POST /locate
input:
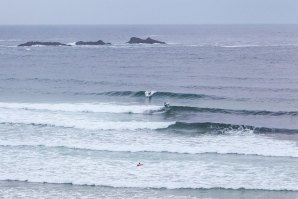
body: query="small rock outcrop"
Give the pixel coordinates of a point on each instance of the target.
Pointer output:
(136, 40)
(99, 42)
(39, 43)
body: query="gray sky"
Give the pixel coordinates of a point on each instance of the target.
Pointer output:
(148, 11)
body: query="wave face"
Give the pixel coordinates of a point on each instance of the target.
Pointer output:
(222, 128)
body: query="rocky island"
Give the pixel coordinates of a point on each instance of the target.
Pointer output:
(39, 43)
(99, 42)
(133, 40)
(136, 40)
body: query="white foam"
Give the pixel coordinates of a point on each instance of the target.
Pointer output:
(71, 43)
(149, 93)
(83, 107)
(77, 120)
(119, 170)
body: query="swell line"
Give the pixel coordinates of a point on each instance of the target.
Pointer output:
(144, 187)
(153, 150)
(183, 127)
(177, 109)
(158, 94)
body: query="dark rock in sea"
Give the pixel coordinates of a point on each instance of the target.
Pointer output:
(36, 43)
(99, 42)
(136, 40)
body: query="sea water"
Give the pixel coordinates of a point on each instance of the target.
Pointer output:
(75, 122)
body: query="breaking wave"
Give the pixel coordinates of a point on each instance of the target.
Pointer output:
(222, 128)
(267, 150)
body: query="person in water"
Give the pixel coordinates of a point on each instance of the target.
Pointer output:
(166, 105)
(139, 164)
(149, 95)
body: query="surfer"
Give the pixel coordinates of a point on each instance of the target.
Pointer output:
(166, 105)
(149, 94)
(139, 164)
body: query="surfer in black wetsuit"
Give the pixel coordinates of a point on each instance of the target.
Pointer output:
(139, 164)
(149, 95)
(166, 105)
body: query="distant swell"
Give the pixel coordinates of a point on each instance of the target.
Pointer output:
(143, 187)
(176, 109)
(60, 81)
(218, 87)
(155, 95)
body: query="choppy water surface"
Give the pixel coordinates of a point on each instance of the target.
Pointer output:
(74, 121)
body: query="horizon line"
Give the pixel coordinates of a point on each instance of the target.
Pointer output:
(147, 24)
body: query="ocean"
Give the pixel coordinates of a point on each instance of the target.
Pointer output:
(75, 122)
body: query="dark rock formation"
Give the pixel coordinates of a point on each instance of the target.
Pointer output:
(136, 40)
(99, 42)
(35, 43)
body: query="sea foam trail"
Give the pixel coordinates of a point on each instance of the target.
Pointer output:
(84, 107)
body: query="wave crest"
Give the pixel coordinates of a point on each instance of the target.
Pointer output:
(222, 128)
